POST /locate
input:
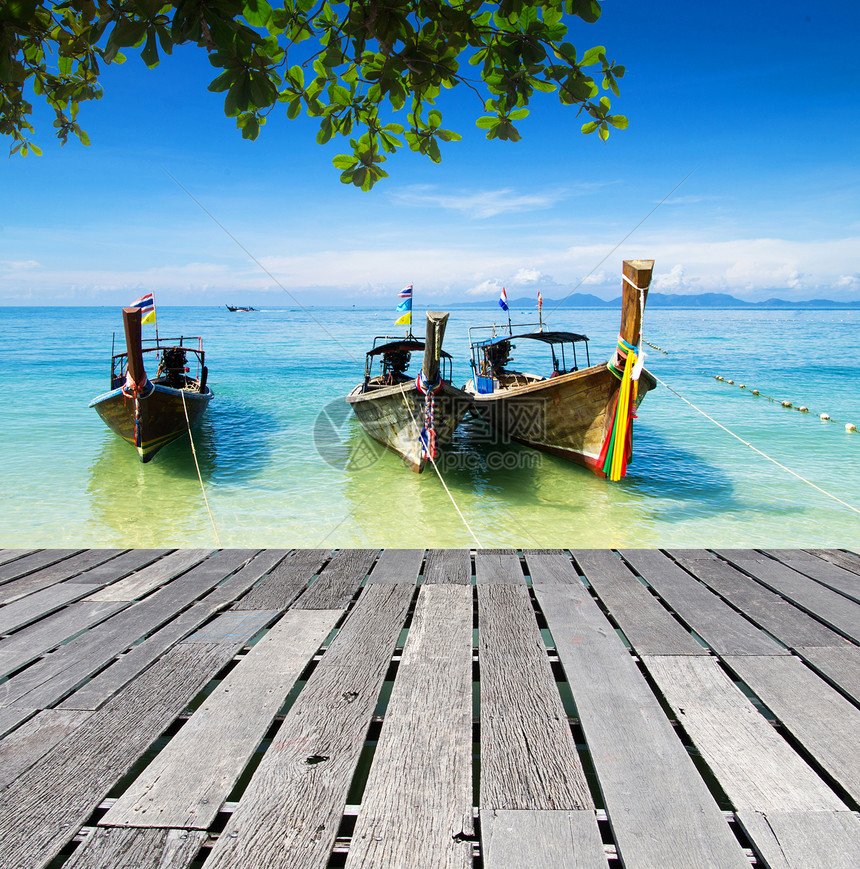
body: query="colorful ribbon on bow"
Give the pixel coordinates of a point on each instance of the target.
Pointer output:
(616, 446)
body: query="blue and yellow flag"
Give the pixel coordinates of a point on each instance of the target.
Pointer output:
(147, 308)
(406, 306)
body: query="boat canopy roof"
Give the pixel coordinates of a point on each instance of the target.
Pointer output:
(546, 337)
(403, 344)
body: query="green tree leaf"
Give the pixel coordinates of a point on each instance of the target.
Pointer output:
(355, 66)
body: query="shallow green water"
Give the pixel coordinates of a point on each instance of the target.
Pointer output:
(284, 464)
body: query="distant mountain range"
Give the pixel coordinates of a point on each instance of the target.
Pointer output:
(663, 300)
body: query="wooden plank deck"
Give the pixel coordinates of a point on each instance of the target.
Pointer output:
(473, 710)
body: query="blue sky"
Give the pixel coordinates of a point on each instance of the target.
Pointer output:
(755, 105)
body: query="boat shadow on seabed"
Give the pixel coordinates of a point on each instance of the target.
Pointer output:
(124, 492)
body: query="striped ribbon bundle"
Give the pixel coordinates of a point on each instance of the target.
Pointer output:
(428, 433)
(616, 446)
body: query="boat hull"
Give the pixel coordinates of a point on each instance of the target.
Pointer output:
(162, 416)
(568, 416)
(394, 417)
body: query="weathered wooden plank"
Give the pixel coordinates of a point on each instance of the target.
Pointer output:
(186, 784)
(106, 848)
(844, 581)
(826, 724)
(417, 806)
(25, 610)
(725, 630)
(840, 666)
(541, 840)
(498, 567)
(766, 608)
(120, 567)
(60, 672)
(804, 840)
(142, 582)
(335, 587)
(44, 808)
(826, 605)
(11, 717)
(7, 555)
(528, 756)
(453, 566)
(231, 625)
(649, 628)
(110, 680)
(30, 563)
(33, 641)
(291, 810)
(67, 569)
(35, 738)
(397, 566)
(845, 560)
(285, 582)
(659, 808)
(754, 765)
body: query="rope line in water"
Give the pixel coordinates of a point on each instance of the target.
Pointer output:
(756, 449)
(439, 475)
(197, 465)
(825, 417)
(661, 350)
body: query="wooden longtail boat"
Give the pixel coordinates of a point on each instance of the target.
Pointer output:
(243, 308)
(149, 414)
(581, 414)
(412, 416)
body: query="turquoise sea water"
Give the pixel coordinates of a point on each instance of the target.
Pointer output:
(284, 464)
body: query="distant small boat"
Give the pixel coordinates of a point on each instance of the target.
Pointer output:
(412, 416)
(243, 308)
(571, 412)
(150, 414)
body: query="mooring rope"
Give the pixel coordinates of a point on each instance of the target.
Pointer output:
(439, 474)
(756, 449)
(199, 475)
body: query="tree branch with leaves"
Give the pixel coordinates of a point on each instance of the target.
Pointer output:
(359, 67)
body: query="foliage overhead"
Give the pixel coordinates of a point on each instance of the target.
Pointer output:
(356, 66)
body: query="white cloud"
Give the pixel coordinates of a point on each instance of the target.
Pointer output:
(671, 281)
(463, 266)
(848, 283)
(485, 288)
(480, 204)
(526, 277)
(597, 278)
(15, 266)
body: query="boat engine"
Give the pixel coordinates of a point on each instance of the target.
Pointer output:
(173, 367)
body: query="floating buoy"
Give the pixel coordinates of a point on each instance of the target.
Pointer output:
(801, 408)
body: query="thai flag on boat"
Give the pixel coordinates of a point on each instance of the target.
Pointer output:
(405, 307)
(503, 300)
(147, 308)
